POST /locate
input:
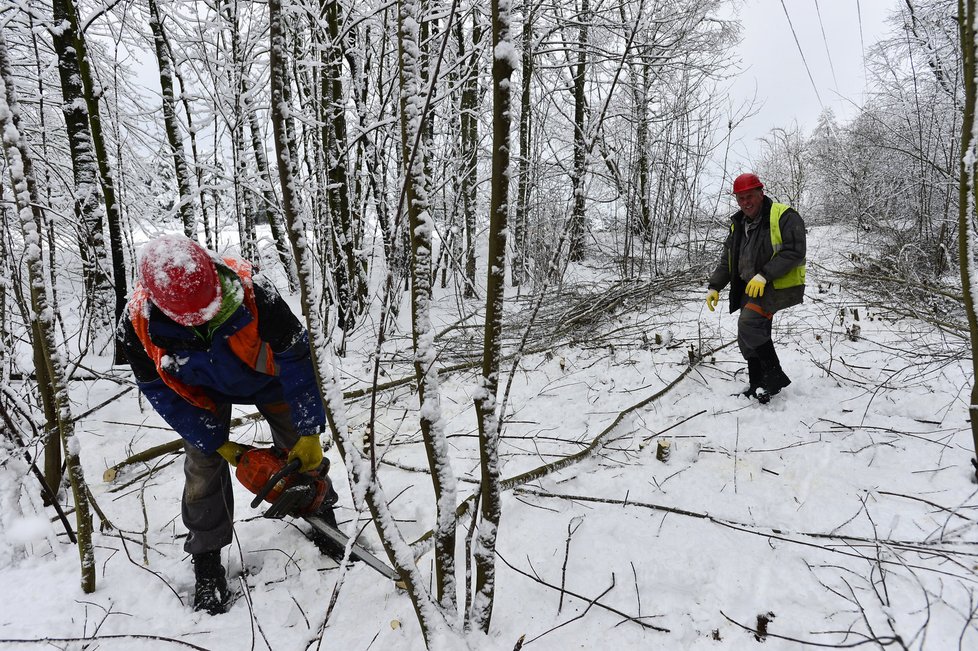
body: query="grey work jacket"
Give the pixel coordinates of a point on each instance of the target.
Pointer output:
(757, 253)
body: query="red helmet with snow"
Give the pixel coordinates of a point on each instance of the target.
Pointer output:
(181, 279)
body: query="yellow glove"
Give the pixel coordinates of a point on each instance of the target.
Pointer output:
(755, 287)
(309, 451)
(712, 298)
(231, 451)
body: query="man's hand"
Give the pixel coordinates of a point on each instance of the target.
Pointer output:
(309, 451)
(755, 287)
(232, 451)
(712, 298)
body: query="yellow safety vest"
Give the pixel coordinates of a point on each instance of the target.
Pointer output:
(795, 276)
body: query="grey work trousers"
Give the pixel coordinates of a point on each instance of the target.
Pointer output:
(753, 329)
(208, 501)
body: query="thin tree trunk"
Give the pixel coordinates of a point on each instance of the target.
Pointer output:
(192, 132)
(469, 137)
(420, 227)
(336, 164)
(524, 188)
(88, 208)
(578, 216)
(968, 198)
(431, 620)
(270, 204)
(184, 183)
(113, 209)
(42, 320)
(503, 64)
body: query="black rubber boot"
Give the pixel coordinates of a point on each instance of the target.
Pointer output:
(755, 373)
(773, 378)
(211, 593)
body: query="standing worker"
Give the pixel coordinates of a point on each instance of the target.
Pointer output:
(763, 260)
(201, 333)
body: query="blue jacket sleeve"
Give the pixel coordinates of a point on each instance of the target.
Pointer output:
(199, 427)
(278, 326)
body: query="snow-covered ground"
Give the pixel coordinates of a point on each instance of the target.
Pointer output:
(844, 508)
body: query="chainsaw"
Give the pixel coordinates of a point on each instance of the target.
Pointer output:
(268, 474)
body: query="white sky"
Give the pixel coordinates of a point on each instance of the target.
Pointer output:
(775, 72)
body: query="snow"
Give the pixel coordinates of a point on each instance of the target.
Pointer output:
(505, 51)
(27, 530)
(844, 504)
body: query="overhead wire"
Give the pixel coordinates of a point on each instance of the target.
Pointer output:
(802, 53)
(862, 43)
(825, 40)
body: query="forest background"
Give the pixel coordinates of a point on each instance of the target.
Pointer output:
(451, 194)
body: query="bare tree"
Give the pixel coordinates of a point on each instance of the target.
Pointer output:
(173, 136)
(54, 392)
(421, 228)
(504, 62)
(469, 140)
(87, 201)
(968, 197)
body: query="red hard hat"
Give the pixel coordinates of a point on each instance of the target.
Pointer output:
(746, 182)
(181, 279)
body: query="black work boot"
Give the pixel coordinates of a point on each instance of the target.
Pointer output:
(211, 593)
(773, 378)
(755, 375)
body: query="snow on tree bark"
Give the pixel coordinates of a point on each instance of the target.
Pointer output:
(88, 207)
(41, 312)
(113, 211)
(504, 61)
(184, 179)
(469, 136)
(365, 485)
(968, 196)
(413, 106)
(335, 138)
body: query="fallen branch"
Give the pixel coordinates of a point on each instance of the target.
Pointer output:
(778, 534)
(881, 641)
(563, 462)
(594, 601)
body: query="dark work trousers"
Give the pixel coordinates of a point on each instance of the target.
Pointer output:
(753, 328)
(208, 502)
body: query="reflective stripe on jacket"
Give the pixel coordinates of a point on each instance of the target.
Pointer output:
(796, 276)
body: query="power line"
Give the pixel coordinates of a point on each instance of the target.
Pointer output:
(862, 43)
(826, 42)
(802, 53)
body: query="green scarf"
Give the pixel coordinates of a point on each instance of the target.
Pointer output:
(232, 295)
